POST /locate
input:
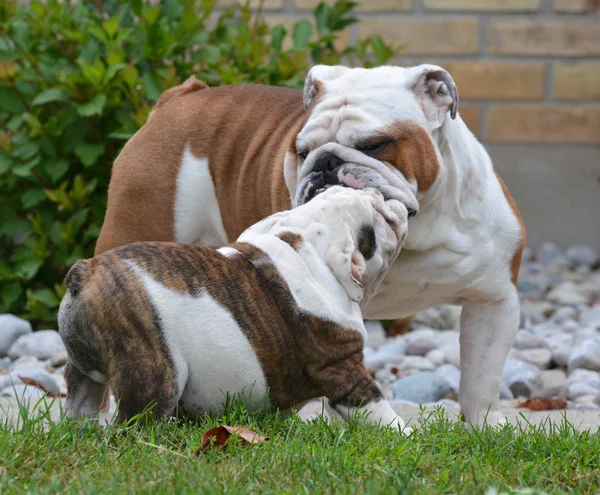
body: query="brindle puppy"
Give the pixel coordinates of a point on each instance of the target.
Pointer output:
(275, 316)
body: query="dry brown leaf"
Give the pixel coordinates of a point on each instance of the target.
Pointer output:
(222, 433)
(31, 381)
(545, 404)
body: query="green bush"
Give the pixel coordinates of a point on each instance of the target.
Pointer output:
(77, 79)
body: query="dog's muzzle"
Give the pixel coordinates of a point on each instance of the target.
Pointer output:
(336, 165)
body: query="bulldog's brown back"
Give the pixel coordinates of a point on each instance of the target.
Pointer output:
(218, 124)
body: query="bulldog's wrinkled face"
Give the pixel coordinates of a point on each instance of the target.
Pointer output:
(370, 128)
(356, 233)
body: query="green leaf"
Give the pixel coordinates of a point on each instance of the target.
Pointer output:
(5, 162)
(50, 95)
(130, 75)
(111, 71)
(88, 153)
(92, 107)
(152, 86)
(322, 13)
(277, 36)
(27, 269)
(11, 291)
(32, 197)
(56, 168)
(10, 101)
(5, 271)
(301, 34)
(24, 170)
(44, 296)
(111, 26)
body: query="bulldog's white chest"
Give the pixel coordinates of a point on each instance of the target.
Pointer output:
(213, 357)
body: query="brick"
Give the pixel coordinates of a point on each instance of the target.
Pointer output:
(483, 5)
(364, 6)
(497, 80)
(268, 4)
(539, 36)
(544, 124)
(577, 80)
(575, 6)
(289, 21)
(450, 36)
(471, 115)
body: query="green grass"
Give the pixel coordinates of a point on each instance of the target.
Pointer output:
(439, 457)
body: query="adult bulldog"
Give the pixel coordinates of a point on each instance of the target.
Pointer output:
(210, 162)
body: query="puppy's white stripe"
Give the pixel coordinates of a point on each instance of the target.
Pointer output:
(196, 193)
(315, 289)
(211, 353)
(228, 251)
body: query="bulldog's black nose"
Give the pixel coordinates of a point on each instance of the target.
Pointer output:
(327, 163)
(411, 213)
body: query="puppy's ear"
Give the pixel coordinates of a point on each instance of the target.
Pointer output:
(316, 78)
(436, 92)
(348, 266)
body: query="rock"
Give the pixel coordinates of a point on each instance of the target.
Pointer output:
(584, 399)
(506, 392)
(421, 387)
(529, 288)
(59, 359)
(385, 376)
(587, 405)
(445, 403)
(550, 383)
(11, 328)
(578, 389)
(570, 326)
(590, 316)
(586, 355)
(591, 378)
(392, 352)
(27, 362)
(537, 311)
(43, 345)
(560, 345)
(565, 313)
(45, 379)
(581, 255)
(591, 286)
(376, 336)
(527, 254)
(539, 357)
(450, 315)
(526, 340)
(451, 347)
(416, 362)
(420, 346)
(23, 393)
(4, 364)
(437, 357)
(567, 293)
(519, 375)
(548, 253)
(451, 374)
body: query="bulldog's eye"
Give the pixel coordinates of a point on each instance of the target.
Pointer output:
(371, 149)
(302, 155)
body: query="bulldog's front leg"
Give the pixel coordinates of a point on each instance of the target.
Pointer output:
(366, 402)
(487, 332)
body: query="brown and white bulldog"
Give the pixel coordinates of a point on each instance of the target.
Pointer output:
(212, 161)
(273, 316)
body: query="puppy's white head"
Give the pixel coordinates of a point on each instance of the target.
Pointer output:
(355, 233)
(371, 128)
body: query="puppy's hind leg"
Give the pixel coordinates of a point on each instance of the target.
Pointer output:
(85, 396)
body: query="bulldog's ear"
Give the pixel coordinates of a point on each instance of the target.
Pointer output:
(348, 266)
(436, 91)
(318, 75)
